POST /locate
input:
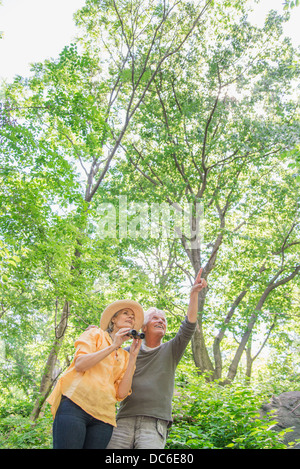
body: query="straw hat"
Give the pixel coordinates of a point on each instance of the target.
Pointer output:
(113, 308)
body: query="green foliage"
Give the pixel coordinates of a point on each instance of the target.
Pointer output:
(145, 106)
(17, 432)
(210, 416)
(206, 416)
(291, 4)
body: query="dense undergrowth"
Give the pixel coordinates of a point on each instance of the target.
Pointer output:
(206, 416)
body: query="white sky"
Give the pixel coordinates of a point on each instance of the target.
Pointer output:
(35, 30)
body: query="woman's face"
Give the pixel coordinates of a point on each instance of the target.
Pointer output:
(125, 318)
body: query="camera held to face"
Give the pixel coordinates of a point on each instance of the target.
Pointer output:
(135, 334)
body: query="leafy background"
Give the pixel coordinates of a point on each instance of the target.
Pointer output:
(164, 103)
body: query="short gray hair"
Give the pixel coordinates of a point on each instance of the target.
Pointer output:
(150, 311)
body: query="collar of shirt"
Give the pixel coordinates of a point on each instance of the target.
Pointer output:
(145, 348)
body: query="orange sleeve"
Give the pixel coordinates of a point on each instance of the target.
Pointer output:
(89, 342)
(120, 377)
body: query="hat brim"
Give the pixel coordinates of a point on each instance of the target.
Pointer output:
(116, 306)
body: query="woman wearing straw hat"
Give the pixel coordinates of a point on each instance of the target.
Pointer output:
(83, 400)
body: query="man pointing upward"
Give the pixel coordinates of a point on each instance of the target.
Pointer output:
(145, 415)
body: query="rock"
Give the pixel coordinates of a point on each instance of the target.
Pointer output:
(286, 411)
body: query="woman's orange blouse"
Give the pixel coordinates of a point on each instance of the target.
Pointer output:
(95, 390)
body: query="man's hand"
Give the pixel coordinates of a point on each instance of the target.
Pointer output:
(199, 283)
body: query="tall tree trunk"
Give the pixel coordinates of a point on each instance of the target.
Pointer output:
(200, 353)
(219, 337)
(48, 374)
(199, 349)
(249, 358)
(253, 318)
(249, 362)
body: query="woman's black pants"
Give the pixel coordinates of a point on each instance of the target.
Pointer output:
(73, 428)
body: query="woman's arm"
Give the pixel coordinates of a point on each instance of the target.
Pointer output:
(84, 362)
(87, 361)
(125, 384)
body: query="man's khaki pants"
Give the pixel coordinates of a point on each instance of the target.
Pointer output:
(139, 433)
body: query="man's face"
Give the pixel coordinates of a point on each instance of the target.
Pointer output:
(156, 325)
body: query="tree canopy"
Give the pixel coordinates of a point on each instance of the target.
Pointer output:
(158, 112)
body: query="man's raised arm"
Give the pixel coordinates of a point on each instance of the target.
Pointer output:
(199, 284)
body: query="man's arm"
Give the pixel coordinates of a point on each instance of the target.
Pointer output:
(199, 284)
(187, 328)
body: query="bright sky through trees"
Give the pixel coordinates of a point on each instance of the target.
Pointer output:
(35, 30)
(165, 103)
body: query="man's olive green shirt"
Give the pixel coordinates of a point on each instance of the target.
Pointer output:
(154, 378)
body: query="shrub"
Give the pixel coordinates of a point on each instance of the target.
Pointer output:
(18, 432)
(208, 415)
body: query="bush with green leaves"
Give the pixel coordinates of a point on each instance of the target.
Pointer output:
(18, 432)
(212, 416)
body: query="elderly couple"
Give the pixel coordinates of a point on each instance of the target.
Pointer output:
(141, 378)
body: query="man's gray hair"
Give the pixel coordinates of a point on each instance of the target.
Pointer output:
(151, 311)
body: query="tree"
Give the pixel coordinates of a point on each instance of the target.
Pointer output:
(290, 4)
(166, 104)
(219, 126)
(78, 108)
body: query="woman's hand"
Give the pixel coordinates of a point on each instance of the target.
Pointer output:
(121, 336)
(125, 385)
(135, 348)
